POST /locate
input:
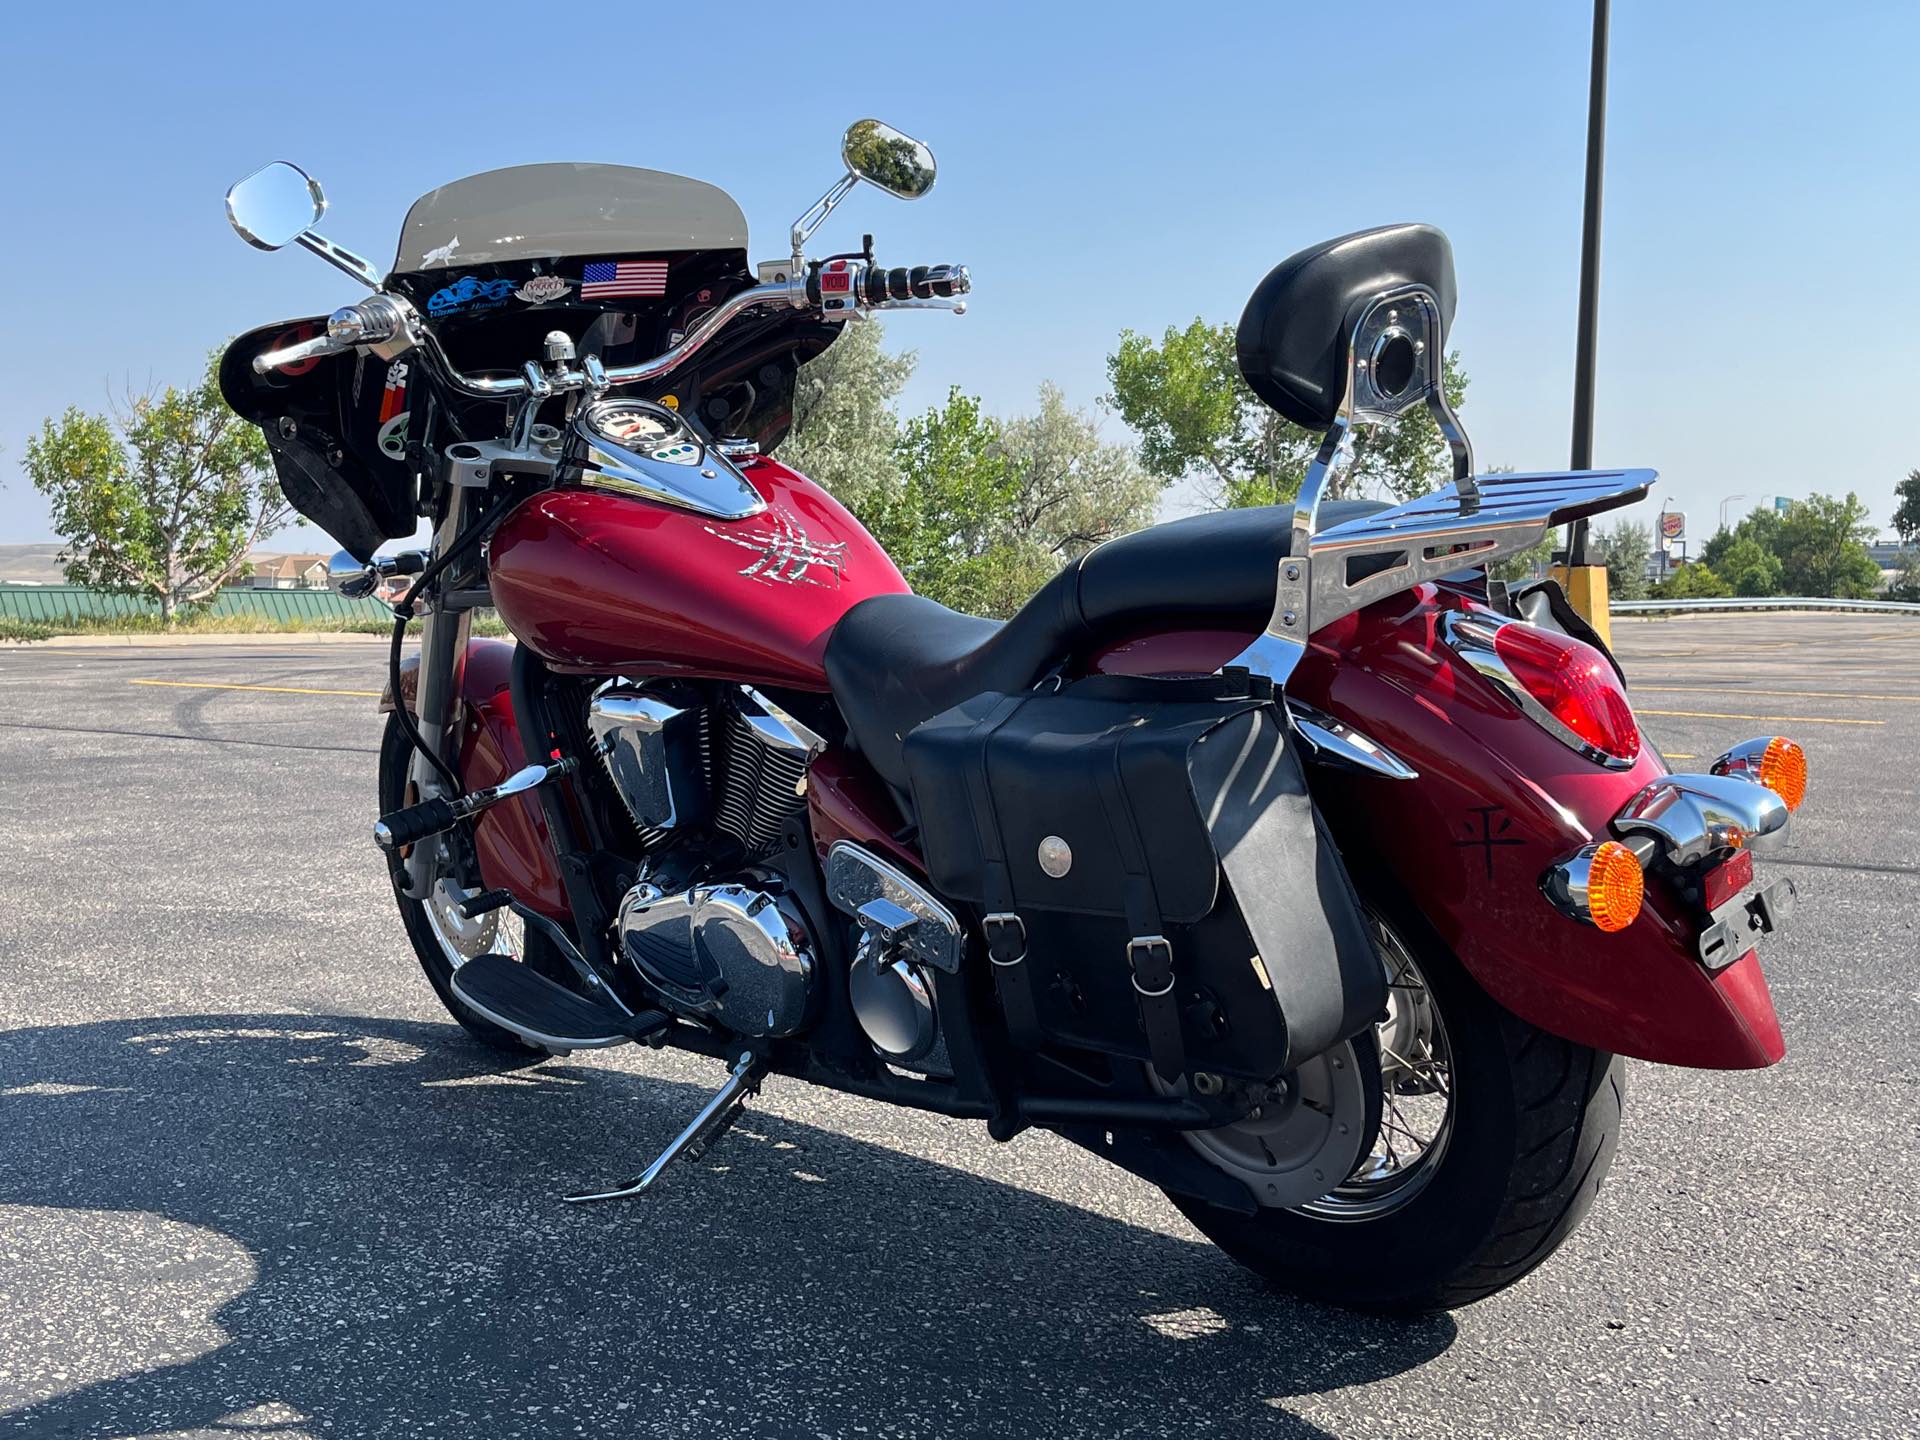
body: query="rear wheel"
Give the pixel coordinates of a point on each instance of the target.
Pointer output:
(444, 939)
(1493, 1139)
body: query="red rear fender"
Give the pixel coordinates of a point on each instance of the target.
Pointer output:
(1496, 802)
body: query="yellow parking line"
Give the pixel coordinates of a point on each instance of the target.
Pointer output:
(1733, 692)
(1781, 719)
(268, 689)
(1677, 755)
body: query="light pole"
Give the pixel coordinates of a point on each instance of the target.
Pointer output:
(1723, 508)
(1589, 304)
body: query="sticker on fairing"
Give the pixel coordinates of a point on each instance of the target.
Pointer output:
(542, 288)
(392, 438)
(472, 294)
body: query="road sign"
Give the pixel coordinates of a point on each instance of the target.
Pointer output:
(1782, 504)
(1673, 525)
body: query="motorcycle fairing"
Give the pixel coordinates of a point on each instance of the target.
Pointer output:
(330, 426)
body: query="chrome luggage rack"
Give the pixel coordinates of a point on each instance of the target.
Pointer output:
(1473, 521)
(1437, 534)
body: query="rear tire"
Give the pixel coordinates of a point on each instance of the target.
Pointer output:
(1533, 1124)
(435, 956)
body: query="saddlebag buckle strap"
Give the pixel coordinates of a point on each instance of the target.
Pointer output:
(1150, 957)
(1006, 938)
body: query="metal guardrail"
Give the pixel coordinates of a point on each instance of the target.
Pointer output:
(66, 603)
(1761, 602)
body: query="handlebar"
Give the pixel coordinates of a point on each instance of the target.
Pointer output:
(294, 354)
(836, 290)
(871, 287)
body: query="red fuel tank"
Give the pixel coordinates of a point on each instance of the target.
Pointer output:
(614, 584)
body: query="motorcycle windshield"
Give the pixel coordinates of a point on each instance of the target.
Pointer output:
(546, 212)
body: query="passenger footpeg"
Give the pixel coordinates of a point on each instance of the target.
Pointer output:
(501, 989)
(715, 1117)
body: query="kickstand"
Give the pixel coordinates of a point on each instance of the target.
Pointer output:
(706, 1127)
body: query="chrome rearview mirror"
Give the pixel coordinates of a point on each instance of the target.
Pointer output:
(278, 205)
(878, 154)
(275, 205)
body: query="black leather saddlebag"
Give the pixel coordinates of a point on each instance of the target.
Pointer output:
(1155, 879)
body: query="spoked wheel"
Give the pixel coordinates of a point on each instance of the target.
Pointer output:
(1416, 1096)
(1490, 1142)
(444, 939)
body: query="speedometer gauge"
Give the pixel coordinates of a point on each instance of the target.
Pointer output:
(632, 423)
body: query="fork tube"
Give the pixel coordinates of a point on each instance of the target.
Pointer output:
(443, 653)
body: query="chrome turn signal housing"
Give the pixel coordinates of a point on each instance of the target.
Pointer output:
(1599, 885)
(1770, 760)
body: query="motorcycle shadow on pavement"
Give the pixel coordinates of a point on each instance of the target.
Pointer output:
(285, 1225)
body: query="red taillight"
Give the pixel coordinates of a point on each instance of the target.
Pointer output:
(1574, 683)
(1727, 879)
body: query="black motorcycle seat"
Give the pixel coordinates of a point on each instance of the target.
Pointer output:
(896, 660)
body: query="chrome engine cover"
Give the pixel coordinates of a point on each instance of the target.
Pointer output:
(652, 751)
(723, 952)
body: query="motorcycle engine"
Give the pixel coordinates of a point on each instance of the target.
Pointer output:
(710, 782)
(725, 952)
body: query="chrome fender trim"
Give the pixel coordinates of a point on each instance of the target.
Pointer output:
(1338, 743)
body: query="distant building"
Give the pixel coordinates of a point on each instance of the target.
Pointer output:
(289, 572)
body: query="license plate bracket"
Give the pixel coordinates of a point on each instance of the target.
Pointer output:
(1737, 926)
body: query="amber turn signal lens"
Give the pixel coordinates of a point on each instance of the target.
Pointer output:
(1783, 770)
(1615, 887)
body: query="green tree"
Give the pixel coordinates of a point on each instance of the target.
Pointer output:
(1196, 417)
(1528, 564)
(940, 521)
(1761, 526)
(1068, 491)
(1697, 581)
(844, 430)
(1747, 566)
(986, 511)
(1822, 549)
(163, 499)
(1624, 549)
(1906, 516)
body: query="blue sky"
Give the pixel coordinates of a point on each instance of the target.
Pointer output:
(1100, 167)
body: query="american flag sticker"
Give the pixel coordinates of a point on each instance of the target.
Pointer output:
(610, 279)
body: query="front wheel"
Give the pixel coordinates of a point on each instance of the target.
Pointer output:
(444, 939)
(1494, 1138)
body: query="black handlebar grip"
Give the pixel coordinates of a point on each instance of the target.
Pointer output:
(413, 824)
(943, 284)
(813, 285)
(922, 289)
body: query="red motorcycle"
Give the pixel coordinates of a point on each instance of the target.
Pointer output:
(1276, 855)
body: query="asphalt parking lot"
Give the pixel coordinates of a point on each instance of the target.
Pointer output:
(252, 1180)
